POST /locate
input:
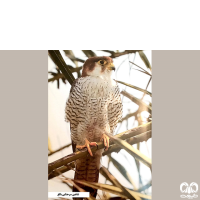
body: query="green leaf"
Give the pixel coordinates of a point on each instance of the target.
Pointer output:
(132, 151)
(70, 55)
(59, 61)
(89, 53)
(144, 59)
(135, 87)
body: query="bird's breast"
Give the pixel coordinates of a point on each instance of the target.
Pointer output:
(96, 87)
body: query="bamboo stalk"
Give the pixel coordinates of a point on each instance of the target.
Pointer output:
(137, 101)
(61, 148)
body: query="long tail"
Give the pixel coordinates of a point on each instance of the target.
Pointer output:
(88, 169)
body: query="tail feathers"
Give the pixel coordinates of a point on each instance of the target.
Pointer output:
(88, 169)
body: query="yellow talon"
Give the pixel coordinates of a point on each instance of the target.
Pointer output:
(87, 145)
(106, 139)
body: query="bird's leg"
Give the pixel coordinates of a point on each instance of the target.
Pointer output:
(106, 139)
(87, 144)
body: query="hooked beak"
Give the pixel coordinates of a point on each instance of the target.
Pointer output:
(111, 67)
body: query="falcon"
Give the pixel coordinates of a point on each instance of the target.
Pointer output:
(93, 109)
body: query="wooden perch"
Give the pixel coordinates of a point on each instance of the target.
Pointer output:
(62, 162)
(114, 148)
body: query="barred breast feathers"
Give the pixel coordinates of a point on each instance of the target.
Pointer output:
(92, 98)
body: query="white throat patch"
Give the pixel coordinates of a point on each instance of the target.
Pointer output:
(97, 72)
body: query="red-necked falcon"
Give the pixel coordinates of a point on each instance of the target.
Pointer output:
(93, 109)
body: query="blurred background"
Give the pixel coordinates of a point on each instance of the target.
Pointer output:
(132, 67)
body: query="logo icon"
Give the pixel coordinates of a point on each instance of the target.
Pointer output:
(189, 190)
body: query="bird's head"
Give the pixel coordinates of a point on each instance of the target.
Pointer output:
(98, 66)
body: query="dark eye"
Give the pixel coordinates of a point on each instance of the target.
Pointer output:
(102, 62)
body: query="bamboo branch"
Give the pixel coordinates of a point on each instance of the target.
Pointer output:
(115, 198)
(144, 59)
(128, 116)
(123, 171)
(118, 184)
(134, 114)
(146, 88)
(135, 87)
(143, 70)
(133, 140)
(102, 171)
(73, 58)
(108, 51)
(58, 76)
(61, 163)
(132, 151)
(112, 189)
(59, 61)
(67, 181)
(114, 148)
(137, 101)
(117, 54)
(51, 153)
(62, 170)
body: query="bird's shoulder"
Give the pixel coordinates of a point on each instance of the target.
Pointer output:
(79, 81)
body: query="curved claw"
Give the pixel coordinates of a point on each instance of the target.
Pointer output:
(106, 139)
(87, 145)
